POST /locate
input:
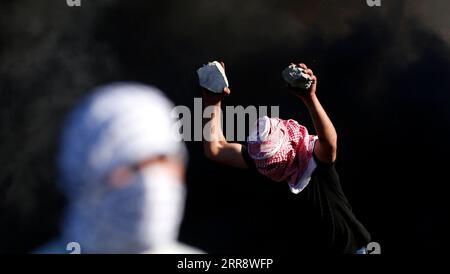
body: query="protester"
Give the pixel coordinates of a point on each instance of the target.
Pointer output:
(284, 151)
(122, 171)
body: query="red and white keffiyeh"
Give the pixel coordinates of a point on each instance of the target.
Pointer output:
(282, 151)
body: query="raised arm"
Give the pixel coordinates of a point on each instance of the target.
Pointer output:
(326, 145)
(215, 145)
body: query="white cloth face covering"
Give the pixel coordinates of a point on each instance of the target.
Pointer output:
(140, 217)
(121, 125)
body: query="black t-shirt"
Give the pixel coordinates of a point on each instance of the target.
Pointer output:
(328, 223)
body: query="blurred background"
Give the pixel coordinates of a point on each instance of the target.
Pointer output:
(383, 78)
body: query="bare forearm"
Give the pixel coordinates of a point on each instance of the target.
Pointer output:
(214, 135)
(215, 145)
(323, 125)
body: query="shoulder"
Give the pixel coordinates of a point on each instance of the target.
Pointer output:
(322, 165)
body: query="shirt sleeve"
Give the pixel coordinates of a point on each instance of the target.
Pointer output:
(321, 164)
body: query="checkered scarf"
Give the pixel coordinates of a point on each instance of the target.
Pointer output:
(282, 151)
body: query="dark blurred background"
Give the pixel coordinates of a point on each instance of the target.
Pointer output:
(383, 78)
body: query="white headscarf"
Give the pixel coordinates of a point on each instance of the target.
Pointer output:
(120, 125)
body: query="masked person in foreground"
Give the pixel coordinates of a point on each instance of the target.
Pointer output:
(122, 172)
(284, 151)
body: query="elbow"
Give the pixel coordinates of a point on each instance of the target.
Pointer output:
(210, 154)
(332, 149)
(331, 155)
(332, 146)
(212, 150)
